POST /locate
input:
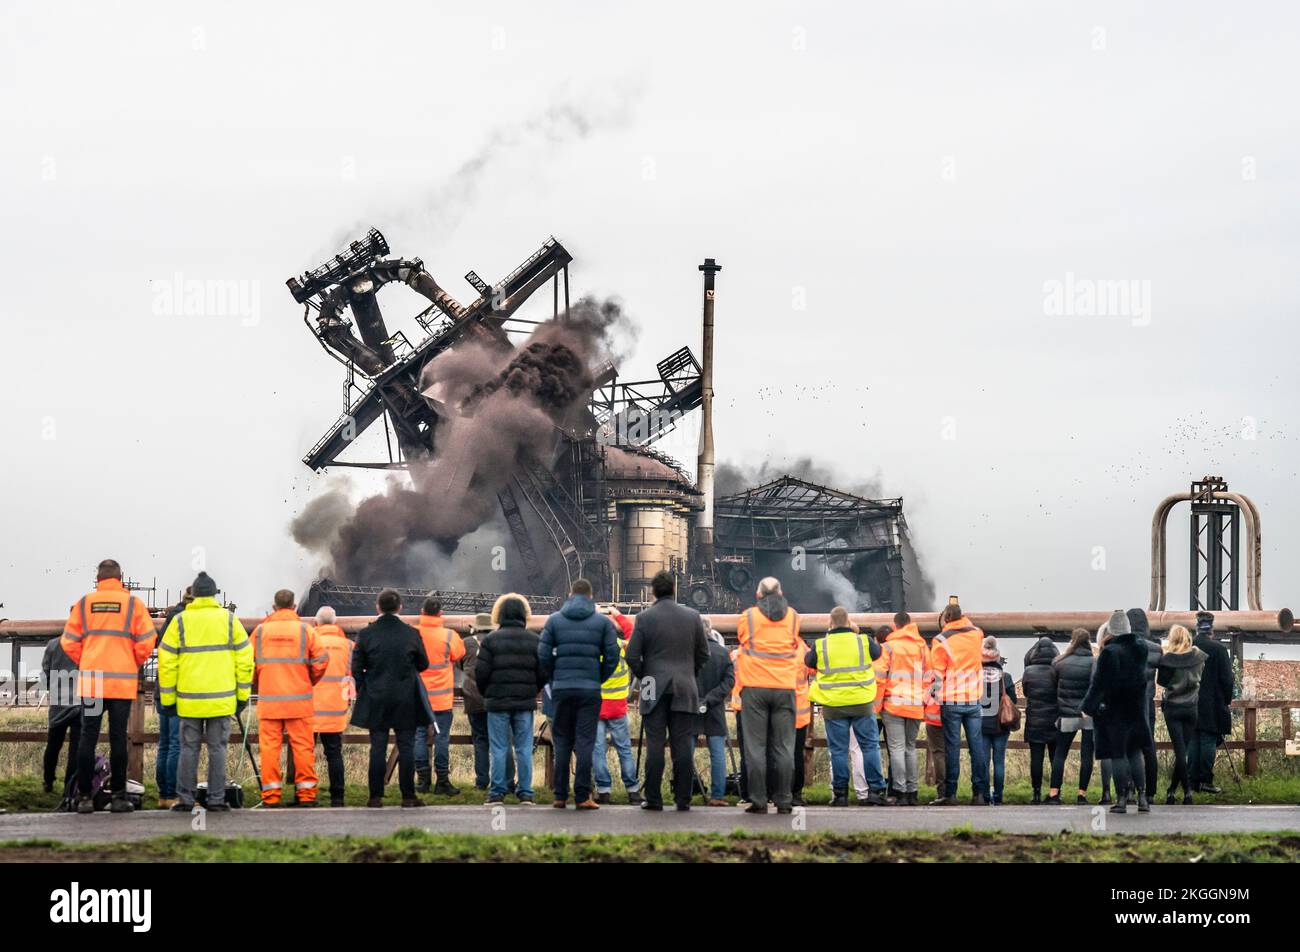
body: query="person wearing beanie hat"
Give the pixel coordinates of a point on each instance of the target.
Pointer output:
(1137, 622)
(475, 711)
(204, 586)
(1115, 701)
(1213, 705)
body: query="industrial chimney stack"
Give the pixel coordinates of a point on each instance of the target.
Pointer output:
(704, 470)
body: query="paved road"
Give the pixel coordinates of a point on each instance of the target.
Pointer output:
(105, 827)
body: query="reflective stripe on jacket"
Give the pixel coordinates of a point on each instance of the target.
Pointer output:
(331, 694)
(289, 662)
(771, 652)
(957, 664)
(735, 684)
(109, 634)
(444, 647)
(802, 698)
(205, 661)
(617, 684)
(845, 675)
(907, 669)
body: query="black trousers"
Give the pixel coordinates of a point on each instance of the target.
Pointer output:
(678, 728)
(332, 744)
(405, 762)
(1036, 751)
(119, 715)
(1181, 725)
(574, 732)
(54, 743)
(744, 771)
(1201, 753)
(1063, 741)
(1151, 765)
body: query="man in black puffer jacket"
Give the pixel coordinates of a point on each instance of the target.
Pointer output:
(1116, 701)
(1039, 687)
(1137, 622)
(578, 652)
(509, 677)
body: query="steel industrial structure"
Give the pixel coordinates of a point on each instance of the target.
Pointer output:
(605, 505)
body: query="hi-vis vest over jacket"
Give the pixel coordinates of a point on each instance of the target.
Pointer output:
(845, 675)
(771, 652)
(616, 686)
(332, 693)
(289, 662)
(205, 661)
(109, 634)
(445, 647)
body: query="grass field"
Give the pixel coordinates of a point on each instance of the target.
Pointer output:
(417, 846)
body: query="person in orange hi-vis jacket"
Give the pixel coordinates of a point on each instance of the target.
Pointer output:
(289, 662)
(771, 656)
(445, 647)
(956, 657)
(108, 635)
(331, 696)
(903, 679)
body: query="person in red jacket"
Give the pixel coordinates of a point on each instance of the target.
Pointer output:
(613, 723)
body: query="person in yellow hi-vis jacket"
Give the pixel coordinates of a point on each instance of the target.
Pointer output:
(205, 674)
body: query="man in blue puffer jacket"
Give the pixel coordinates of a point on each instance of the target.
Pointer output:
(577, 653)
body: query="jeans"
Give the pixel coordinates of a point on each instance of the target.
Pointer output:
(955, 718)
(997, 748)
(169, 753)
(478, 732)
(900, 736)
(1182, 725)
(837, 739)
(616, 728)
(576, 715)
(441, 744)
(405, 762)
(678, 727)
(119, 715)
(1063, 741)
(506, 730)
(215, 732)
(332, 744)
(768, 714)
(54, 743)
(717, 767)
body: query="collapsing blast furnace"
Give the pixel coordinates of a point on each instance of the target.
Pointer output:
(547, 439)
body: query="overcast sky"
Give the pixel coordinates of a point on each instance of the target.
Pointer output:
(901, 196)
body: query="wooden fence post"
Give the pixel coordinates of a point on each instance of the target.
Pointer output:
(135, 736)
(1252, 754)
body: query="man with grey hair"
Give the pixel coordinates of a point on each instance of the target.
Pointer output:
(330, 698)
(768, 668)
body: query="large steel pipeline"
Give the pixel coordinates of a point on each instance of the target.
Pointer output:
(1254, 547)
(1001, 624)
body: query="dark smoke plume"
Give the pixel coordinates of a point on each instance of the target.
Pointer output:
(500, 407)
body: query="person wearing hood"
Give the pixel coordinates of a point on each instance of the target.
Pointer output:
(508, 676)
(476, 712)
(1137, 622)
(58, 671)
(771, 654)
(998, 684)
(1213, 706)
(1116, 701)
(1041, 711)
(1072, 670)
(714, 683)
(667, 651)
(577, 653)
(957, 664)
(1181, 665)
